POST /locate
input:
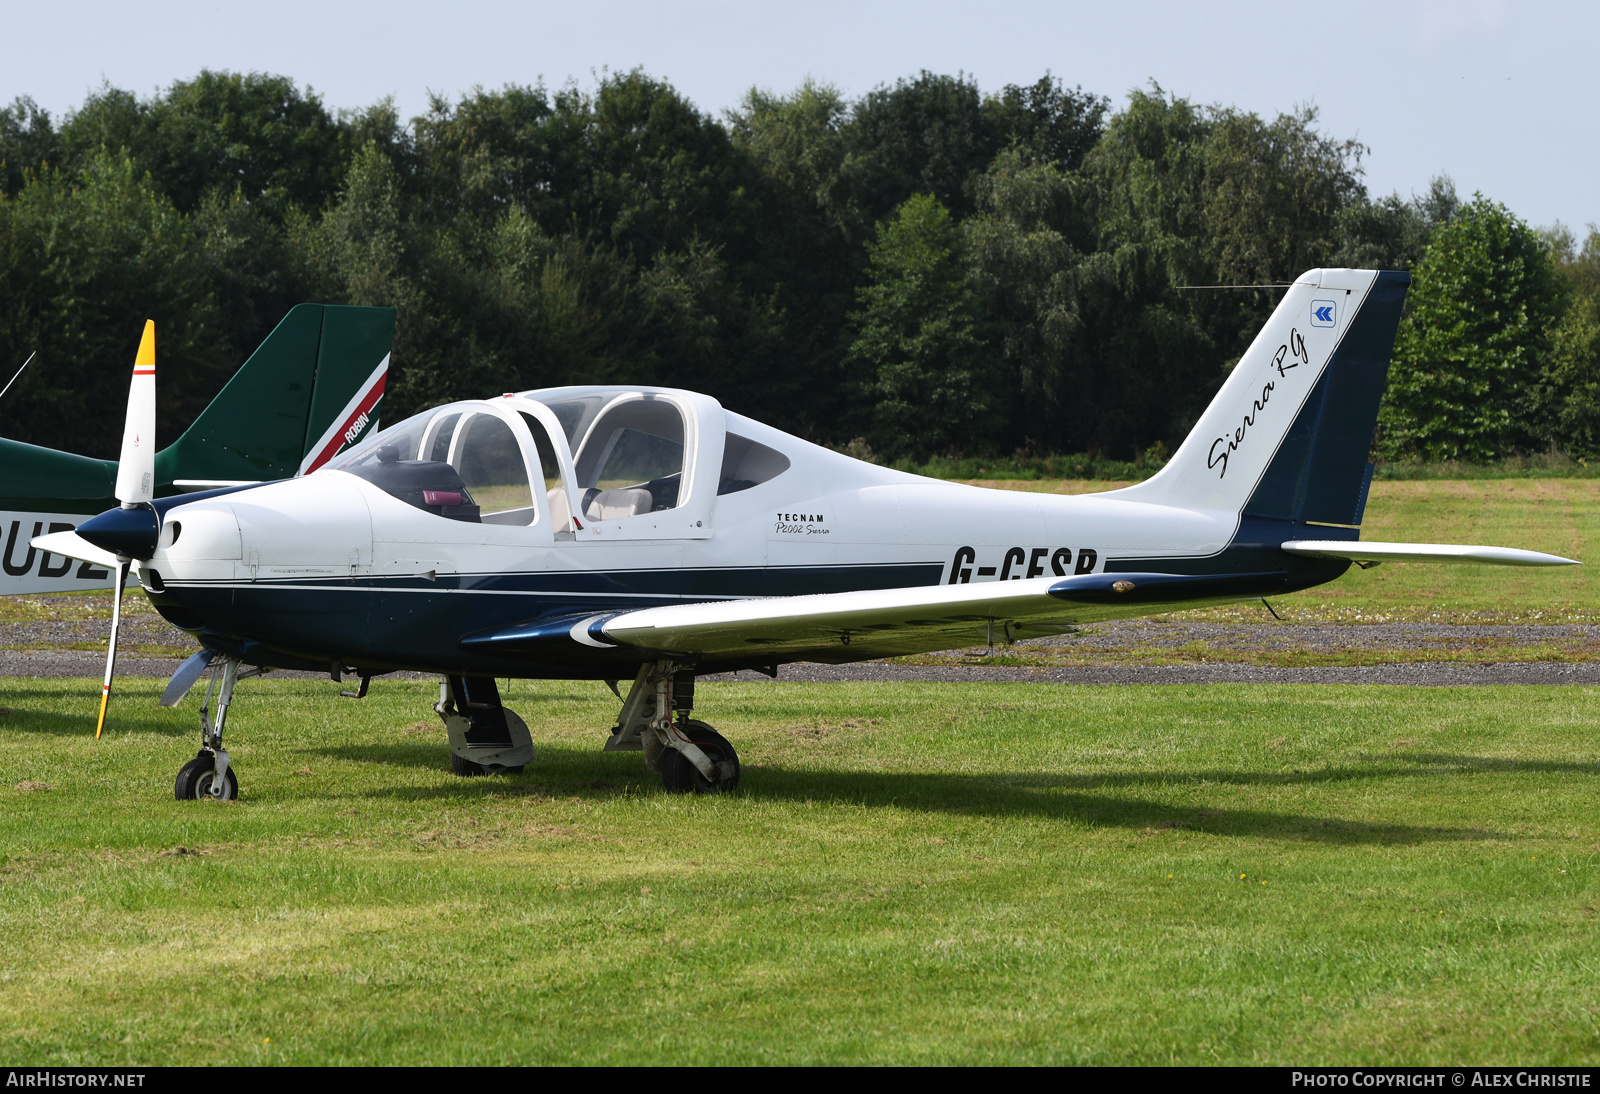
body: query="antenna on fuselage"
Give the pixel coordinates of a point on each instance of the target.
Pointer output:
(14, 376)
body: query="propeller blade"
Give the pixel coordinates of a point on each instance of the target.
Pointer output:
(185, 677)
(72, 545)
(136, 469)
(111, 651)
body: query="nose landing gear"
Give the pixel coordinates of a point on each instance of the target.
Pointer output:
(210, 775)
(197, 779)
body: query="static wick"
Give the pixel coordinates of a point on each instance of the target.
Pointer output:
(1267, 606)
(13, 379)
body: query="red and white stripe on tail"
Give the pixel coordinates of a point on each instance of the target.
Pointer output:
(358, 417)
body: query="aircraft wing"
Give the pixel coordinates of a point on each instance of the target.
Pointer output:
(1359, 551)
(857, 626)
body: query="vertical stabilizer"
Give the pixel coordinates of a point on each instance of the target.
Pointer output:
(292, 393)
(352, 371)
(1288, 434)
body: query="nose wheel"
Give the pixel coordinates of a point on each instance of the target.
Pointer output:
(197, 780)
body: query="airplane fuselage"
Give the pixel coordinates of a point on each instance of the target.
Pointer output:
(333, 570)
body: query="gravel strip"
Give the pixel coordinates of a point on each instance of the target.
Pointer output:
(1107, 653)
(67, 663)
(1419, 674)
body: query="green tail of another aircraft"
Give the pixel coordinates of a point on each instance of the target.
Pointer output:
(312, 389)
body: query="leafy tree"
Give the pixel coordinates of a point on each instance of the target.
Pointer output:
(1567, 411)
(1474, 342)
(923, 386)
(258, 133)
(935, 267)
(638, 168)
(1392, 233)
(28, 143)
(797, 142)
(366, 250)
(924, 135)
(488, 154)
(1052, 124)
(1024, 249)
(810, 238)
(1273, 192)
(83, 264)
(1187, 196)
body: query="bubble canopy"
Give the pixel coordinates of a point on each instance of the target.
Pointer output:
(618, 457)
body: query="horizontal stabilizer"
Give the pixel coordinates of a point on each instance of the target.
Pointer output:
(72, 545)
(1424, 552)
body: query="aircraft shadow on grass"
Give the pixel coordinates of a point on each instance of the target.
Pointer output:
(572, 772)
(72, 714)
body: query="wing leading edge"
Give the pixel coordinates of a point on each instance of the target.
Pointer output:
(855, 626)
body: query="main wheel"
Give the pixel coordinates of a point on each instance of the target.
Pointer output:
(195, 779)
(465, 768)
(680, 776)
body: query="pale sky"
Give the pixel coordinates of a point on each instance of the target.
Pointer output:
(1499, 96)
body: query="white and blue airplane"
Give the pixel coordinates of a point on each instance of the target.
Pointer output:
(616, 533)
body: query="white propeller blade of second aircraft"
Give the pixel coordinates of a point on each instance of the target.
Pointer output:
(136, 467)
(136, 482)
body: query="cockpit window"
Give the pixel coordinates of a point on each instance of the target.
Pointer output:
(632, 460)
(747, 463)
(451, 462)
(401, 442)
(575, 415)
(490, 462)
(441, 431)
(550, 465)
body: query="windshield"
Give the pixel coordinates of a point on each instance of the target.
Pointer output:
(460, 461)
(405, 439)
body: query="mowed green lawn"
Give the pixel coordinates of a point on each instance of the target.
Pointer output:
(1561, 516)
(912, 873)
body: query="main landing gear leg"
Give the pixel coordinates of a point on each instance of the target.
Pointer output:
(485, 737)
(210, 775)
(688, 754)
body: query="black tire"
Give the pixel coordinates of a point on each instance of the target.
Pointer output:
(466, 768)
(680, 776)
(195, 778)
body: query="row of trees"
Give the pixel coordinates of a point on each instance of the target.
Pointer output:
(929, 268)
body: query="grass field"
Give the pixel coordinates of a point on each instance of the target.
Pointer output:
(912, 873)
